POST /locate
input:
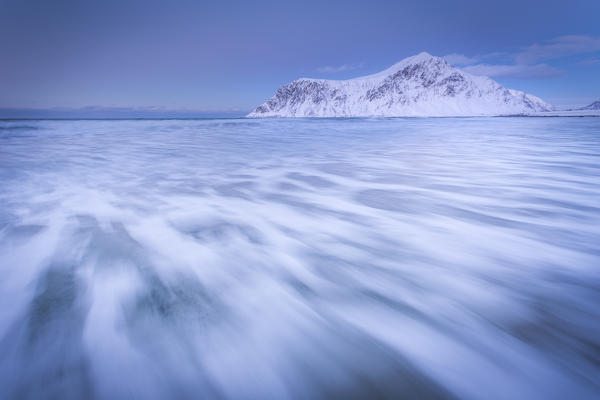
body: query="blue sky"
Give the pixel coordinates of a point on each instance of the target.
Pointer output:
(230, 56)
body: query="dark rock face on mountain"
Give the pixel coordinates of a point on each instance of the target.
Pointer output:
(594, 106)
(422, 85)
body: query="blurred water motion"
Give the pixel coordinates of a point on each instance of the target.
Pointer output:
(400, 258)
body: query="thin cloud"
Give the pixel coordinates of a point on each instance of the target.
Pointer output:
(460, 59)
(559, 47)
(340, 68)
(573, 100)
(589, 61)
(527, 60)
(537, 71)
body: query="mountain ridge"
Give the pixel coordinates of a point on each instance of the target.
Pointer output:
(421, 85)
(593, 106)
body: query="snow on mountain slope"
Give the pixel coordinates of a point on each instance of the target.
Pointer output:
(594, 106)
(422, 85)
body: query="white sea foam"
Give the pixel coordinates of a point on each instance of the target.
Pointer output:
(300, 258)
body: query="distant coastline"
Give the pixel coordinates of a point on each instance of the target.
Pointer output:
(113, 113)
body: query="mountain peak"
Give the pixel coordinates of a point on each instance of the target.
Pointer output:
(420, 58)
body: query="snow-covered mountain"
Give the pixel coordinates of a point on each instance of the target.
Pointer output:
(422, 85)
(594, 106)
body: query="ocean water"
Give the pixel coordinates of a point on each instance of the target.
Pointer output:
(274, 259)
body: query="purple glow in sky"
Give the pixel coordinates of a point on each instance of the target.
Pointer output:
(229, 56)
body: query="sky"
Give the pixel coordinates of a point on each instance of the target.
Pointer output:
(187, 56)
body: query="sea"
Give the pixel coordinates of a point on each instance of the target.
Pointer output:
(417, 258)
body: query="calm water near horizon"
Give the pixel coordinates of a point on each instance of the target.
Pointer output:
(318, 258)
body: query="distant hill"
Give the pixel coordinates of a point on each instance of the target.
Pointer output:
(594, 106)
